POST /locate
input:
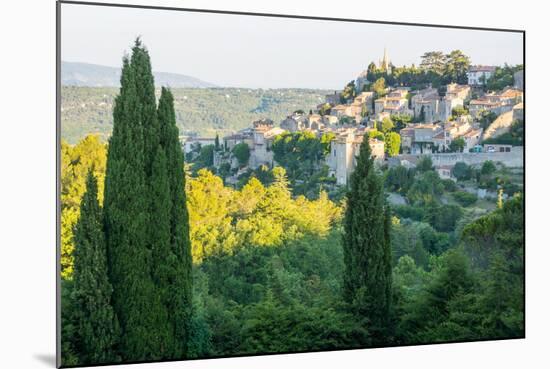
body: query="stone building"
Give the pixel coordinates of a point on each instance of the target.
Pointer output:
(518, 80)
(498, 103)
(479, 74)
(407, 139)
(428, 104)
(419, 138)
(242, 136)
(334, 98)
(263, 134)
(259, 139)
(361, 82)
(365, 97)
(295, 122)
(395, 102)
(427, 109)
(195, 143)
(343, 152)
(518, 112)
(459, 91)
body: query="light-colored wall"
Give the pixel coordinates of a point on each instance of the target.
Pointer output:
(513, 158)
(474, 78)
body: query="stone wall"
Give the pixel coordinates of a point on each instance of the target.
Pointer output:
(513, 158)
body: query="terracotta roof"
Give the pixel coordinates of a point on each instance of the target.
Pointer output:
(511, 93)
(483, 102)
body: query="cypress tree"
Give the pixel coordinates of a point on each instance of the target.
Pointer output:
(145, 88)
(96, 326)
(126, 215)
(163, 260)
(178, 292)
(366, 243)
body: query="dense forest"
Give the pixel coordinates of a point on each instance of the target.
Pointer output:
(268, 267)
(202, 111)
(161, 260)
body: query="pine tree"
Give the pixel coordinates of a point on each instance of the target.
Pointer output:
(367, 253)
(142, 317)
(178, 293)
(95, 323)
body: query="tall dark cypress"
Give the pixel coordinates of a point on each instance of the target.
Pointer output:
(163, 259)
(367, 249)
(126, 215)
(96, 325)
(179, 291)
(145, 88)
(217, 142)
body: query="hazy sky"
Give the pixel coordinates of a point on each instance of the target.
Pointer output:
(247, 51)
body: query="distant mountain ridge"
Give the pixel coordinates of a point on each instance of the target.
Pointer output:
(93, 75)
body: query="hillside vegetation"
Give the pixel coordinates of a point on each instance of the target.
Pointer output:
(204, 111)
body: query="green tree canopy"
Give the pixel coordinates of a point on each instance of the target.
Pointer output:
(242, 153)
(457, 145)
(433, 61)
(392, 143)
(348, 93)
(457, 64)
(379, 87)
(424, 164)
(462, 171)
(459, 111)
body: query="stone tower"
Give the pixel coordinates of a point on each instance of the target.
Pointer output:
(385, 62)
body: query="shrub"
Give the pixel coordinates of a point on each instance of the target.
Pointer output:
(465, 198)
(449, 185)
(424, 164)
(488, 168)
(462, 171)
(443, 217)
(408, 212)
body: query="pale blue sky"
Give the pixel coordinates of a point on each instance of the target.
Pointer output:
(247, 51)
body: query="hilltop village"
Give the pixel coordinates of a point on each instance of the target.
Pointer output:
(408, 112)
(390, 212)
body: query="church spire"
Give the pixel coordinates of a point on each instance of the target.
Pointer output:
(385, 63)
